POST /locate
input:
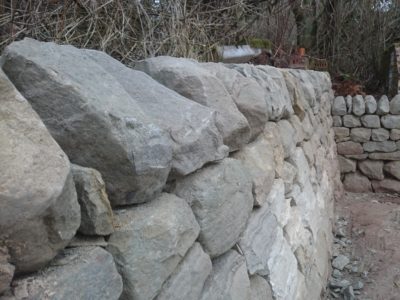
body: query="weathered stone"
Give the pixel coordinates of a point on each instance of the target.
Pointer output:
(373, 169)
(349, 148)
(309, 152)
(288, 175)
(258, 158)
(287, 132)
(391, 121)
(395, 105)
(278, 101)
(393, 168)
(96, 213)
(308, 128)
(380, 135)
(299, 160)
(77, 273)
(260, 288)
(383, 106)
(386, 186)
(349, 104)
(351, 121)
(298, 128)
(189, 79)
(370, 104)
(358, 105)
(308, 86)
(247, 94)
(228, 279)
(371, 121)
(341, 132)
(132, 154)
(358, 156)
(337, 121)
(269, 254)
(6, 270)
(192, 127)
(299, 103)
(80, 240)
(186, 283)
(39, 212)
(339, 106)
(221, 198)
(340, 262)
(357, 183)
(386, 146)
(346, 165)
(360, 135)
(395, 134)
(271, 134)
(149, 241)
(339, 283)
(277, 204)
(385, 156)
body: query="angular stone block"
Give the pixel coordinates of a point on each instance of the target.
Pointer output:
(349, 148)
(360, 135)
(373, 169)
(357, 183)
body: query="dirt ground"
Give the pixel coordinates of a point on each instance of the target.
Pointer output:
(368, 234)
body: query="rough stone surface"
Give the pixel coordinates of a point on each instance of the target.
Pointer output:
(149, 242)
(346, 165)
(380, 135)
(298, 128)
(391, 121)
(96, 213)
(287, 133)
(247, 94)
(371, 121)
(370, 104)
(39, 211)
(360, 135)
(339, 106)
(341, 132)
(186, 283)
(132, 154)
(258, 158)
(373, 169)
(349, 148)
(228, 279)
(383, 106)
(349, 104)
(77, 273)
(278, 205)
(395, 134)
(340, 262)
(337, 121)
(358, 105)
(271, 79)
(221, 198)
(288, 175)
(271, 134)
(393, 168)
(260, 288)
(386, 146)
(395, 105)
(296, 93)
(268, 253)
(192, 127)
(385, 156)
(357, 183)
(351, 121)
(6, 270)
(386, 186)
(189, 79)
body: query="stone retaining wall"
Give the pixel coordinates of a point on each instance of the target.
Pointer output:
(367, 133)
(194, 181)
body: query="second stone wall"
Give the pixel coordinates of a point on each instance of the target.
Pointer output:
(367, 133)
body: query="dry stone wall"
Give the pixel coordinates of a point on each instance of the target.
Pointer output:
(367, 133)
(192, 180)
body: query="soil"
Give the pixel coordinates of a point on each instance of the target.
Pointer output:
(368, 233)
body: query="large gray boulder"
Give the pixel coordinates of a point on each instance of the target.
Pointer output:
(391, 121)
(221, 199)
(77, 273)
(395, 105)
(246, 92)
(351, 121)
(287, 136)
(393, 168)
(187, 281)
(383, 106)
(272, 81)
(96, 213)
(192, 127)
(339, 106)
(370, 104)
(189, 79)
(149, 242)
(358, 105)
(92, 117)
(228, 279)
(39, 211)
(373, 169)
(258, 158)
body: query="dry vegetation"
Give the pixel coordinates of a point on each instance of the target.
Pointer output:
(353, 35)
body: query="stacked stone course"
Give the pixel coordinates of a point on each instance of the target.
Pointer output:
(367, 133)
